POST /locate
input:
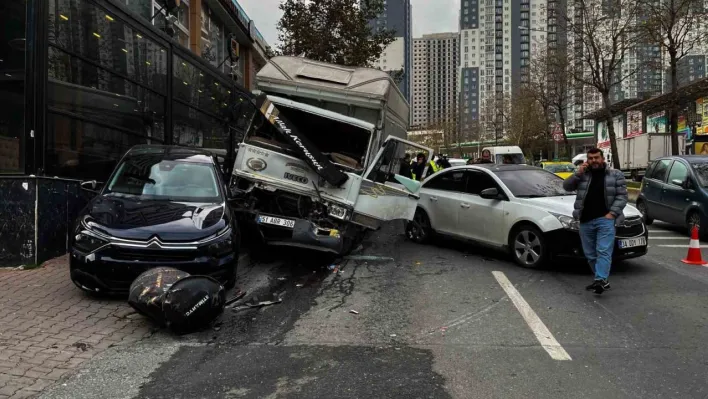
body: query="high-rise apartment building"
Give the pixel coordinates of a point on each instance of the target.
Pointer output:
(397, 56)
(435, 63)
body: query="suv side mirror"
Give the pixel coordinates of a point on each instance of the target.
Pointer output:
(490, 193)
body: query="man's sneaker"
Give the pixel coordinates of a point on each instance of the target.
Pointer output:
(601, 286)
(592, 286)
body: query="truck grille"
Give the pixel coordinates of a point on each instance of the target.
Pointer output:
(631, 227)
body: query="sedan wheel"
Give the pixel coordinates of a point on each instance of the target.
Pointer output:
(528, 247)
(418, 230)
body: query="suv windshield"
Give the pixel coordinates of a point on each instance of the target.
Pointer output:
(153, 178)
(532, 183)
(701, 169)
(560, 167)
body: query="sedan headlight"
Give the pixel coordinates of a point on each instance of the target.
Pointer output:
(86, 242)
(568, 222)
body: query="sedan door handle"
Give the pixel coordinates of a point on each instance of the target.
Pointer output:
(464, 205)
(433, 198)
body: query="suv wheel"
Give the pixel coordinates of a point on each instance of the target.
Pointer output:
(528, 246)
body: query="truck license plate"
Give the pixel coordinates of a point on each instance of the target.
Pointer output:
(632, 242)
(276, 221)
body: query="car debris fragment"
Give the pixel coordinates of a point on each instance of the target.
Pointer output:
(353, 311)
(175, 299)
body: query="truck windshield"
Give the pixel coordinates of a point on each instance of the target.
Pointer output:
(153, 178)
(346, 145)
(701, 169)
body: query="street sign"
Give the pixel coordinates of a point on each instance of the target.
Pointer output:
(557, 134)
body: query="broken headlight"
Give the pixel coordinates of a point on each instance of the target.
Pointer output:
(86, 242)
(336, 211)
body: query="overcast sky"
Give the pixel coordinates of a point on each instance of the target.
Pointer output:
(429, 16)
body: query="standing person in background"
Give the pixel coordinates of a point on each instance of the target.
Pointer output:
(432, 166)
(599, 204)
(418, 167)
(486, 157)
(405, 169)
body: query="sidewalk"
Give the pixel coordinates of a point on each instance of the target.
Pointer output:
(48, 327)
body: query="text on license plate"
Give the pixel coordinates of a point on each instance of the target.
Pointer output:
(632, 242)
(276, 221)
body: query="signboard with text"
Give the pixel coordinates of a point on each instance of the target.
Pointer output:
(634, 123)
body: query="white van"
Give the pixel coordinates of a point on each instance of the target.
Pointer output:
(507, 154)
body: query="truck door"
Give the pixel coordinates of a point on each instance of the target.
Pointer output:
(382, 196)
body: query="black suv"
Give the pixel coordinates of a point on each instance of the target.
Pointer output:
(161, 206)
(674, 190)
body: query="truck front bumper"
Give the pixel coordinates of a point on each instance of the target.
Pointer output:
(293, 232)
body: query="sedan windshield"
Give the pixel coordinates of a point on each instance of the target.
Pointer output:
(532, 183)
(560, 167)
(152, 178)
(701, 169)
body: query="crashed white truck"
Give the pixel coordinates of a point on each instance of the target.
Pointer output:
(319, 165)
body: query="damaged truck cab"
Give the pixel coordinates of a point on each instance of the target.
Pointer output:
(320, 161)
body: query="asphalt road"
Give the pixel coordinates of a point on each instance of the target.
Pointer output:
(435, 321)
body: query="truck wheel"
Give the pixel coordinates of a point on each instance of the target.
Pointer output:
(642, 207)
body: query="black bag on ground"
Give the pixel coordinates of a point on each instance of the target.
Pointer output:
(148, 290)
(192, 303)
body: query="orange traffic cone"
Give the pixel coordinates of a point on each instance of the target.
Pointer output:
(694, 250)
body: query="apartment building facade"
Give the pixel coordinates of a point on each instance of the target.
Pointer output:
(397, 57)
(435, 80)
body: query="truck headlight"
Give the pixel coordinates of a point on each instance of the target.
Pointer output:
(567, 222)
(86, 242)
(336, 211)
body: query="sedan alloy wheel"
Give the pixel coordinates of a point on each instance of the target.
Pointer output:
(528, 247)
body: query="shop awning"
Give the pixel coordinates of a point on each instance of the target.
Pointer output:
(686, 94)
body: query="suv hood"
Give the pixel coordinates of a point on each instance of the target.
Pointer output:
(129, 218)
(564, 205)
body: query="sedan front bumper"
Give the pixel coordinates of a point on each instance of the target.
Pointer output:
(566, 244)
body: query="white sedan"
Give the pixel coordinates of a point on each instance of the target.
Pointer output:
(517, 208)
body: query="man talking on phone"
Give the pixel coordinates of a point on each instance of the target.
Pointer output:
(601, 198)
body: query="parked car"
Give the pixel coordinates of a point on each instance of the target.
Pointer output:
(561, 169)
(674, 190)
(521, 209)
(161, 206)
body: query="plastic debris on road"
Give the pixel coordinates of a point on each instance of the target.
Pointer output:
(176, 299)
(353, 311)
(369, 258)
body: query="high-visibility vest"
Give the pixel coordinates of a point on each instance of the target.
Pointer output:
(434, 166)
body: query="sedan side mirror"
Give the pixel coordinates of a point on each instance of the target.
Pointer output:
(490, 193)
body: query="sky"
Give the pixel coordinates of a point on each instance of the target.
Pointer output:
(429, 16)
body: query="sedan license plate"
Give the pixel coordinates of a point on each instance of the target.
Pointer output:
(632, 242)
(276, 221)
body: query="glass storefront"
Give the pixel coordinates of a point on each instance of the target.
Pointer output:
(12, 86)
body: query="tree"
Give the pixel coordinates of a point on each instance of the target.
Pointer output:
(450, 132)
(335, 31)
(604, 31)
(550, 81)
(495, 113)
(528, 123)
(677, 27)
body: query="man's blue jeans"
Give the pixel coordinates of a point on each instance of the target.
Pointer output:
(598, 238)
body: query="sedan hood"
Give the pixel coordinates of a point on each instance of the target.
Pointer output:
(564, 205)
(129, 218)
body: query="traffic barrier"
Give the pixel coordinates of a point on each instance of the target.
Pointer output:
(694, 250)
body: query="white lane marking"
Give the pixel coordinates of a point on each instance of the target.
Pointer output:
(666, 238)
(542, 333)
(677, 246)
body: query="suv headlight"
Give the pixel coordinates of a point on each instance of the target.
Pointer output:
(222, 246)
(568, 222)
(86, 242)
